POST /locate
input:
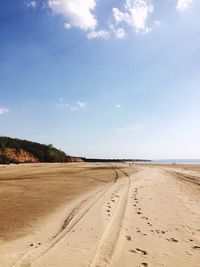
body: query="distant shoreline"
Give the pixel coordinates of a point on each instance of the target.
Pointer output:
(176, 161)
(115, 160)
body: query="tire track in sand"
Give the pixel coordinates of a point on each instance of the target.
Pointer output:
(107, 244)
(77, 213)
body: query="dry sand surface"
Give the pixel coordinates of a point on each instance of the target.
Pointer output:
(99, 215)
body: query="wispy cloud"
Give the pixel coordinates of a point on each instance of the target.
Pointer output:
(67, 26)
(182, 5)
(81, 104)
(74, 108)
(118, 106)
(61, 103)
(77, 106)
(3, 110)
(32, 4)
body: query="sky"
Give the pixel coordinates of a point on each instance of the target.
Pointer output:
(102, 78)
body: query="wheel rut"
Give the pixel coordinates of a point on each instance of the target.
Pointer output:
(73, 218)
(107, 244)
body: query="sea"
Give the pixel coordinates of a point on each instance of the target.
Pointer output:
(176, 161)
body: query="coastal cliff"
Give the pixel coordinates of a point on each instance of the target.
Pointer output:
(13, 150)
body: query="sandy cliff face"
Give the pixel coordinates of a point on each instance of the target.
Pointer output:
(75, 159)
(12, 155)
(20, 156)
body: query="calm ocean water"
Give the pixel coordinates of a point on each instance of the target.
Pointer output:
(177, 161)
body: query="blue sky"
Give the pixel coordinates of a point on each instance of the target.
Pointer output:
(102, 78)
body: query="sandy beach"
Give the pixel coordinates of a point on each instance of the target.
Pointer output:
(82, 214)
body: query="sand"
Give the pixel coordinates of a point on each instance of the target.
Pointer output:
(99, 215)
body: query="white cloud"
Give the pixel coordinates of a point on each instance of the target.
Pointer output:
(3, 110)
(118, 32)
(106, 34)
(32, 4)
(136, 15)
(118, 106)
(98, 34)
(157, 23)
(62, 105)
(77, 12)
(120, 16)
(182, 5)
(81, 14)
(81, 104)
(77, 106)
(74, 108)
(67, 26)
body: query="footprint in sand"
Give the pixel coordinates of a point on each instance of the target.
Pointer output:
(128, 237)
(144, 264)
(196, 247)
(132, 251)
(142, 251)
(172, 240)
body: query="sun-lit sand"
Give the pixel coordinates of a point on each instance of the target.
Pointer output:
(82, 214)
